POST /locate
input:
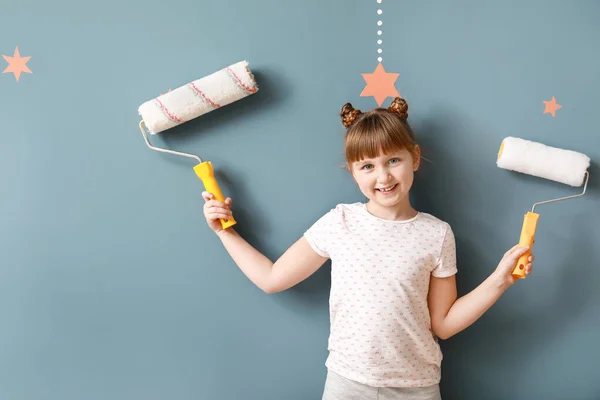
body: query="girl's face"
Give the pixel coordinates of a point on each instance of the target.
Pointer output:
(387, 178)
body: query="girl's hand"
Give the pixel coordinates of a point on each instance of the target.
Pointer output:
(214, 210)
(508, 263)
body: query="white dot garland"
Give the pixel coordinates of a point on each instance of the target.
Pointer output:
(379, 32)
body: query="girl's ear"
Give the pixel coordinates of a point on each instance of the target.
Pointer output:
(416, 157)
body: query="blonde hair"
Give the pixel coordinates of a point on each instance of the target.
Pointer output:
(378, 130)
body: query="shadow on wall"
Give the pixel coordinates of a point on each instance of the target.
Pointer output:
(443, 187)
(313, 293)
(449, 186)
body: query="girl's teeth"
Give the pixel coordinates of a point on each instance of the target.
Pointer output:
(387, 189)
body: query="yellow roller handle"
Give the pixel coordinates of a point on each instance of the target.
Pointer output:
(205, 172)
(527, 239)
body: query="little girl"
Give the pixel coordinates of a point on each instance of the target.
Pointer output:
(393, 288)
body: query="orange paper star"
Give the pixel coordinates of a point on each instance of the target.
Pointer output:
(551, 106)
(380, 84)
(16, 64)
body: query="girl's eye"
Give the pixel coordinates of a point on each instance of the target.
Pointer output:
(395, 160)
(366, 166)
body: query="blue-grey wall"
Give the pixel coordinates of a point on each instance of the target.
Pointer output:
(113, 287)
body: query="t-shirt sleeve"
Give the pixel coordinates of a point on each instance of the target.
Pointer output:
(321, 234)
(446, 262)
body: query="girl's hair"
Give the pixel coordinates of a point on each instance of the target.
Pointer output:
(378, 130)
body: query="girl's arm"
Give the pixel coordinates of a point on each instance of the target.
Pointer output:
(450, 316)
(296, 264)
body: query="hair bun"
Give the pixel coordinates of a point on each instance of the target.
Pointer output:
(349, 114)
(399, 106)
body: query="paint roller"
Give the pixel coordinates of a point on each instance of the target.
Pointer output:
(192, 100)
(537, 159)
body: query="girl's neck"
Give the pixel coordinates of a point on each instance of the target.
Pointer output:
(399, 212)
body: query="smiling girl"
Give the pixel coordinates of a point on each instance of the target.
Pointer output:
(393, 287)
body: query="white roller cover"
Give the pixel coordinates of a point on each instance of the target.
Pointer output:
(537, 159)
(198, 97)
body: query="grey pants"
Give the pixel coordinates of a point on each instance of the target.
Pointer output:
(340, 388)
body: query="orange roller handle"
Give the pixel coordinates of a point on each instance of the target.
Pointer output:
(527, 239)
(206, 173)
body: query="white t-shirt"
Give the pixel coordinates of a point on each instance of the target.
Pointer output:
(380, 270)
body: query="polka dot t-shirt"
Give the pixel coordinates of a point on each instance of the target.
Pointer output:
(380, 271)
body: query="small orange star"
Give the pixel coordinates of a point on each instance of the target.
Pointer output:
(16, 64)
(380, 84)
(551, 106)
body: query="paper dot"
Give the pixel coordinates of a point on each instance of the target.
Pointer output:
(379, 50)
(379, 41)
(379, 59)
(379, 1)
(379, 32)
(379, 12)
(379, 23)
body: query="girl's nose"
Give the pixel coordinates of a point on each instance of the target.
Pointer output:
(384, 177)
